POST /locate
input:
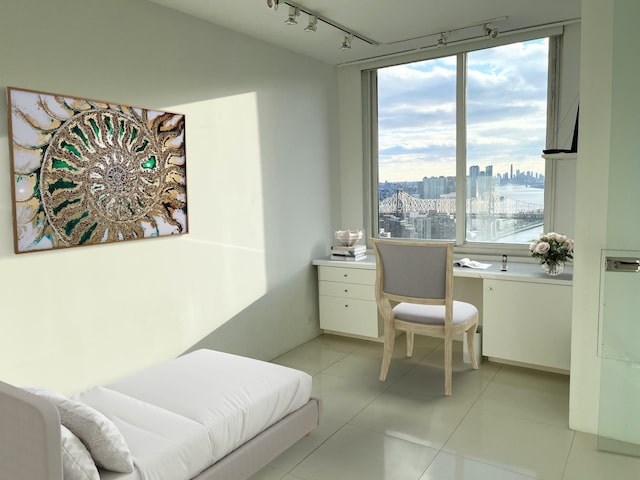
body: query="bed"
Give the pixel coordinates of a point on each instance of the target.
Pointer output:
(205, 415)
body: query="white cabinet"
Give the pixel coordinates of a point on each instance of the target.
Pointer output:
(527, 322)
(526, 315)
(347, 301)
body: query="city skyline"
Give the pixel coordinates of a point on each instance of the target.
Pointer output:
(419, 188)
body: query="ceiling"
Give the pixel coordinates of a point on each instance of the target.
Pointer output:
(397, 26)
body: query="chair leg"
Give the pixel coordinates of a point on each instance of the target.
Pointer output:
(448, 365)
(409, 343)
(389, 339)
(471, 347)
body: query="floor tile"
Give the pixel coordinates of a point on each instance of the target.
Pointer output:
(436, 358)
(314, 356)
(358, 454)
(427, 377)
(343, 398)
(447, 466)
(587, 463)
(339, 342)
(426, 420)
(269, 473)
(533, 380)
(422, 346)
(298, 452)
(364, 364)
(512, 443)
(520, 392)
(502, 422)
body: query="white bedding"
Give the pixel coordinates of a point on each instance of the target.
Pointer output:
(182, 416)
(107, 475)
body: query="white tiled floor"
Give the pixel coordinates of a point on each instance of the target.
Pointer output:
(502, 422)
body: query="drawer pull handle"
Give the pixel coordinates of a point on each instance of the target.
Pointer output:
(346, 275)
(345, 290)
(346, 306)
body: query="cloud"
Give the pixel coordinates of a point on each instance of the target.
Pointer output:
(506, 112)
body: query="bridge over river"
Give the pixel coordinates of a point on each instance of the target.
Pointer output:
(490, 204)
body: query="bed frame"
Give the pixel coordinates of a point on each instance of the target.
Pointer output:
(30, 445)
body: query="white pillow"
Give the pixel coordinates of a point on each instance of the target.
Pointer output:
(77, 463)
(101, 437)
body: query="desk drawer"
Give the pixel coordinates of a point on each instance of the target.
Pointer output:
(347, 275)
(347, 290)
(356, 317)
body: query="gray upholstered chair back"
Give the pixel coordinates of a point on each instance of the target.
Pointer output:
(414, 270)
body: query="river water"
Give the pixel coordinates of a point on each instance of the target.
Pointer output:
(522, 193)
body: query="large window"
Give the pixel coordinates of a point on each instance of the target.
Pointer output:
(459, 145)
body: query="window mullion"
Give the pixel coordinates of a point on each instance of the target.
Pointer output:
(461, 147)
(370, 150)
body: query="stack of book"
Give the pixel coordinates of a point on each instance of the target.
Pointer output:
(353, 252)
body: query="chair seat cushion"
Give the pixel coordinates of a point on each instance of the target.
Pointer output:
(433, 314)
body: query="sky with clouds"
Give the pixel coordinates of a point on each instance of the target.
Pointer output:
(506, 113)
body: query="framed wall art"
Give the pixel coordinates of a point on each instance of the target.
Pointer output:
(89, 172)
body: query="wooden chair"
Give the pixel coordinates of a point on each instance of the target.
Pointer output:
(414, 292)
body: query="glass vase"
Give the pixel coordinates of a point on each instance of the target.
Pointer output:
(552, 268)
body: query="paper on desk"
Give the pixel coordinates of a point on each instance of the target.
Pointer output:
(465, 262)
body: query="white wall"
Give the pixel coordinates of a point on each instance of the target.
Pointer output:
(261, 139)
(591, 209)
(607, 194)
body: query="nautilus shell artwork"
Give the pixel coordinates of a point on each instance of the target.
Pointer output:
(89, 172)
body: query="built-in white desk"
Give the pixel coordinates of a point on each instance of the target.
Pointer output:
(525, 314)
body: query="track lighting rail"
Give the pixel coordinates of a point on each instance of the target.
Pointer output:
(347, 31)
(314, 17)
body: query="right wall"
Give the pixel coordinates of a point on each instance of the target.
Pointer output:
(607, 194)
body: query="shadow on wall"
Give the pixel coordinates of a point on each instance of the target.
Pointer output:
(250, 333)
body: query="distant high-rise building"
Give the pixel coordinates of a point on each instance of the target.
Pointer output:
(436, 187)
(472, 184)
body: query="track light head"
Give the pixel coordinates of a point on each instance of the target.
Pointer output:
(490, 32)
(293, 13)
(313, 24)
(346, 43)
(273, 4)
(442, 40)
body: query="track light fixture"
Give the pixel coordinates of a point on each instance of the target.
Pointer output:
(314, 18)
(442, 40)
(490, 32)
(293, 13)
(313, 24)
(346, 43)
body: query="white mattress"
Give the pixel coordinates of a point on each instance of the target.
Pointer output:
(182, 416)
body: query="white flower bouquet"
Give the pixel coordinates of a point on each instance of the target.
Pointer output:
(552, 248)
